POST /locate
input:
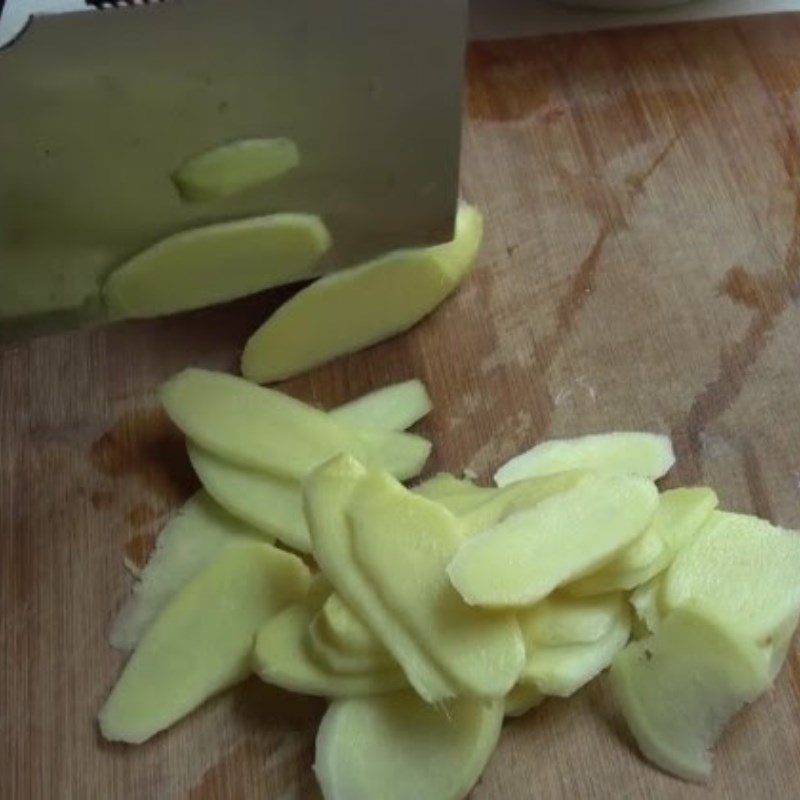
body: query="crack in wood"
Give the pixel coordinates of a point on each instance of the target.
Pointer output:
(637, 182)
(769, 296)
(756, 484)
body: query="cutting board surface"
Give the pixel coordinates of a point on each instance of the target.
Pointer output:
(641, 271)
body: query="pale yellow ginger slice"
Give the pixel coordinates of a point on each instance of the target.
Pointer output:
(531, 553)
(559, 619)
(468, 501)
(562, 670)
(235, 167)
(402, 544)
(679, 516)
(521, 699)
(215, 264)
(401, 454)
(346, 629)
(742, 568)
(190, 541)
(326, 495)
(273, 503)
(357, 307)
(645, 602)
(201, 642)
(501, 503)
(634, 565)
(256, 427)
(343, 643)
(640, 554)
(691, 508)
(392, 408)
(678, 688)
(452, 492)
(647, 455)
(282, 657)
(251, 425)
(481, 507)
(267, 502)
(396, 747)
(343, 661)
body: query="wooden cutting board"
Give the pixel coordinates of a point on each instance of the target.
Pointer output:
(641, 270)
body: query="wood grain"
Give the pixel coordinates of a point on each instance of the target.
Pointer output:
(641, 270)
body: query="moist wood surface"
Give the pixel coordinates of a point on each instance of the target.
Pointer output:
(641, 270)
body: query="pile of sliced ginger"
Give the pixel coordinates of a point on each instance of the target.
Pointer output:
(428, 614)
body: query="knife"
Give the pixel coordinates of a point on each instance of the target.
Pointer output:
(100, 104)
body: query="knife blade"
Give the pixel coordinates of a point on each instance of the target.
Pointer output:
(102, 107)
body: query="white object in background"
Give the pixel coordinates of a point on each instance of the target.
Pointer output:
(493, 19)
(502, 19)
(622, 5)
(16, 13)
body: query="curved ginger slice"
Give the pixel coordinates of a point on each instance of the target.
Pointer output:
(263, 429)
(283, 657)
(620, 453)
(678, 518)
(500, 503)
(645, 602)
(252, 425)
(521, 699)
(216, 263)
(481, 507)
(559, 539)
(679, 688)
(400, 453)
(326, 495)
(234, 167)
(343, 643)
(397, 747)
(267, 502)
(563, 620)
(561, 670)
(197, 535)
(744, 569)
(395, 407)
(444, 486)
(345, 629)
(344, 662)
(357, 307)
(200, 644)
(402, 544)
(273, 503)
(635, 564)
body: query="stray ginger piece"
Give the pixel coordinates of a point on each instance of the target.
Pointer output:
(357, 307)
(620, 453)
(233, 168)
(215, 264)
(397, 747)
(199, 646)
(678, 688)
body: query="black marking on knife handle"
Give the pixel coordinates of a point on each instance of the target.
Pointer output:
(103, 5)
